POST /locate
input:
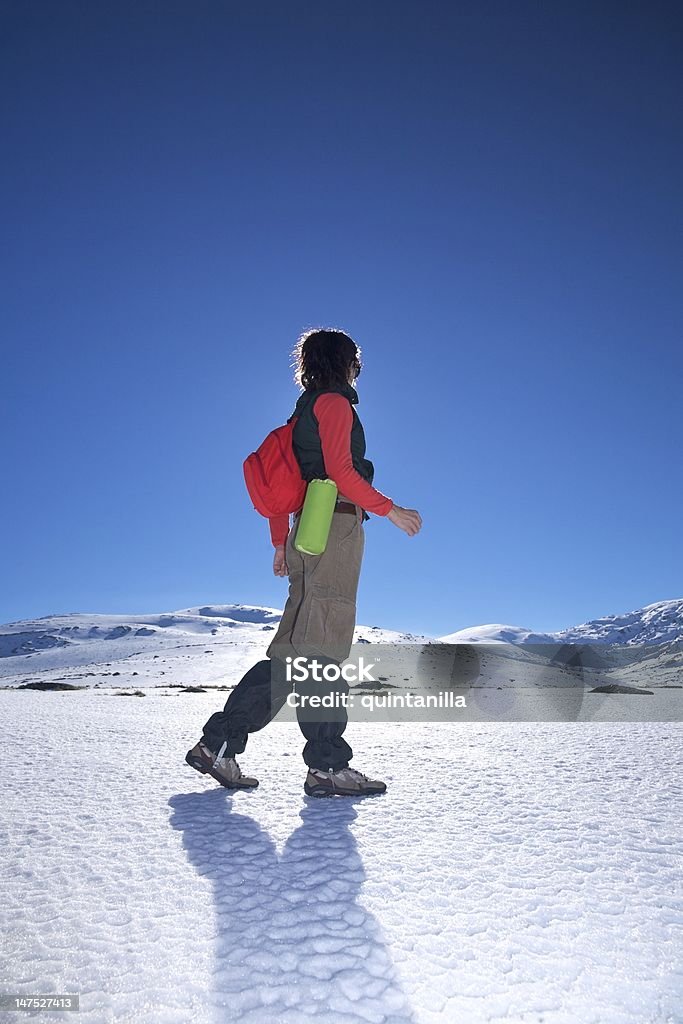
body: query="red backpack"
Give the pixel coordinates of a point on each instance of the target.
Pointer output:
(273, 476)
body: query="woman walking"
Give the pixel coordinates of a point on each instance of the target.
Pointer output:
(320, 614)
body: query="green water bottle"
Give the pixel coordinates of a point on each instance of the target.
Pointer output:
(313, 527)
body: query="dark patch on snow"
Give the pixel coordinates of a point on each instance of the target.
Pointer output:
(118, 631)
(620, 688)
(575, 656)
(47, 684)
(239, 614)
(14, 644)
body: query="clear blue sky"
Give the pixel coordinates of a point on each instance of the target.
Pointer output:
(486, 196)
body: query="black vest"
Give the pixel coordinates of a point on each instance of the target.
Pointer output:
(306, 437)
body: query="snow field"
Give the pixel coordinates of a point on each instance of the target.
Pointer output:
(512, 872)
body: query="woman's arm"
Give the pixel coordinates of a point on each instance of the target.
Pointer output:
(335, 420)
(279, 528)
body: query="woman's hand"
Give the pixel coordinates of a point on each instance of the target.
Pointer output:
(407, 519)
(279, 563)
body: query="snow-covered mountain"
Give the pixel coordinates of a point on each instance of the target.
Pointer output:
(496, 633)
(212, 645)
(207, 645)
(654, 624)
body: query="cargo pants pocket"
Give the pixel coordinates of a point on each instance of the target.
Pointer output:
(330, 620)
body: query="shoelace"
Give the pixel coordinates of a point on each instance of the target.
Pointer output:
(353, 772)
(219, 757)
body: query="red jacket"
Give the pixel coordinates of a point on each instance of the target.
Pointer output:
(335, 419)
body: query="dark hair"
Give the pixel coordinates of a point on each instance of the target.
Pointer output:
(323, 357)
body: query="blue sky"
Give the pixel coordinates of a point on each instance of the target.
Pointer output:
(486, 196)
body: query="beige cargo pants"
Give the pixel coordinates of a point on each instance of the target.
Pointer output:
(320, 614)
(317, 622)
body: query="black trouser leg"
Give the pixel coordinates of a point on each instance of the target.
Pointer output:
(254, 702)
(323, 726)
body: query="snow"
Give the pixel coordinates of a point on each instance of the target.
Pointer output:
(654, 624)
(522, 872)
(511, 873)
(497, 633)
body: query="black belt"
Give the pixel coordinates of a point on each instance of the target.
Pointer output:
(340, 506)
(346, 506)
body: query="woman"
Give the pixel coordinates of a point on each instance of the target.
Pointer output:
(320, 615)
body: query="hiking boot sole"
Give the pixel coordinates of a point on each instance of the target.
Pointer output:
(323, 791)
(205, 769)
